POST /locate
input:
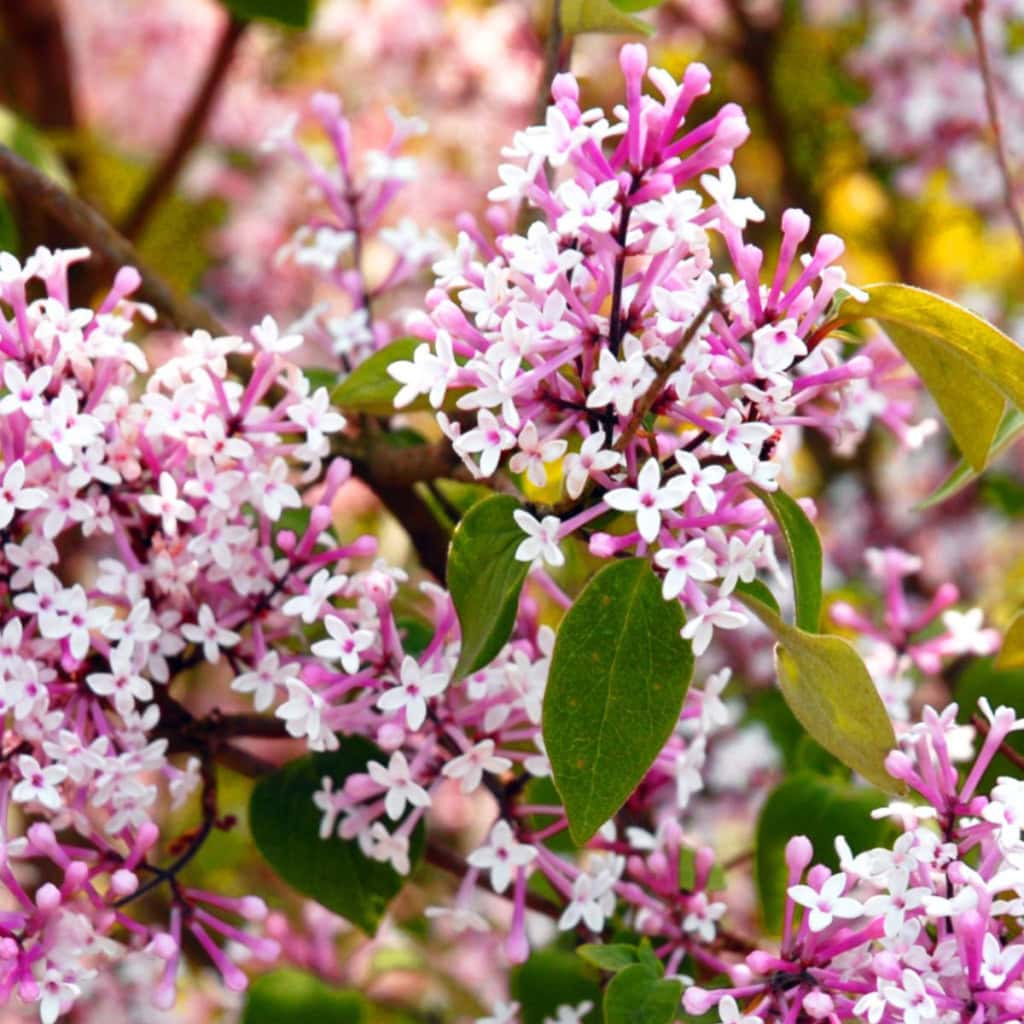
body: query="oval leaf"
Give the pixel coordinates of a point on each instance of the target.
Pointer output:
(830, 691)
(288, 996)
(970, 367)
(637, 995)
(804, 549)
(820, 808)
(285, 826)
(618, 677)
(485, 579)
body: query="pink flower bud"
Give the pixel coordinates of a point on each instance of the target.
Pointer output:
(252, 908)
(163, 946)
(565, 87)
(603, 545)
(799, 852)
(48, 897)
(123, 883)
(698, 1000)
(326, 106)
(818, 1005)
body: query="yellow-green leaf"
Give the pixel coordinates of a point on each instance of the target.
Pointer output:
(1009, 430)
(832, 695)
(579, 16)
(1011, 655)
(970, 367)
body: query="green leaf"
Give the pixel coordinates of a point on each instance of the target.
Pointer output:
(288, 996)
(369, 388)
(611, 957)
(1011, 655)
(830, 691)
(320, 377)
(579, 16)
(631, 6)
(637, 995)
(553, 978)
(804, 555)
(820, 808)
(285, 827)
(8, 228)
(759, 592)
(292, 13)
(618, 677)
(1010, 428)
(485, 579)
(970, 367)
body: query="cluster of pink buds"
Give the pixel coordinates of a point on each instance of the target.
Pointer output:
(925, 930)
(340, 243)
(607, 339)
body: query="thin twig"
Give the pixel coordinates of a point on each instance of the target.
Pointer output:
(974, 10)
(189, 131)
(668, 367)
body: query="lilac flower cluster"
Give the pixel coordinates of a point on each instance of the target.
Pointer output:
(349, 244)
(924, 930)
(610, 339)
(142, 534)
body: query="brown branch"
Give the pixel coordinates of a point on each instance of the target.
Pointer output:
(974, 10)
(667, 368)
(189, 131)
(34, 41)
(87, 226)
(443, 858)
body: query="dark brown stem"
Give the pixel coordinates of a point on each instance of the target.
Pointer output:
(195, 843)
(83, 223)
(974, 10)
(189, 131)
(554, 60)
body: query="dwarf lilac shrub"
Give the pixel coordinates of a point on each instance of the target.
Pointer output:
(615, 341)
